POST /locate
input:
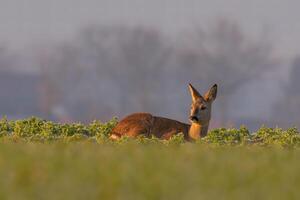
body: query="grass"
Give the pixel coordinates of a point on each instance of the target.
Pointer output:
(136, 171)
(44, 160)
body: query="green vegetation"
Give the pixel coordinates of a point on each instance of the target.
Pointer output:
(45, 160)
(34, 130)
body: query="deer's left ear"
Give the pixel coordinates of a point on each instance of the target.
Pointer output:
(212, 93)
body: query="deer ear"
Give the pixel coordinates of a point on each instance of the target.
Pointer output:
(194, 93)
(212, 93)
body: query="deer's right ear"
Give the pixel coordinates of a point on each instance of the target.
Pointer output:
(194, 93)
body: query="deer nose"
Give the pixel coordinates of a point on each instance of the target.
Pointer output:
(194, 119)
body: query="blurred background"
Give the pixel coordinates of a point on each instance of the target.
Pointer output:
(80, 60)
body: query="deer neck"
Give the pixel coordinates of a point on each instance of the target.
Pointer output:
(197, 131)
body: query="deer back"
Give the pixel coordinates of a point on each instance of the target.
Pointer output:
(148, 125)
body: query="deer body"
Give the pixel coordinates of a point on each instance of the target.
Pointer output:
(146, 124)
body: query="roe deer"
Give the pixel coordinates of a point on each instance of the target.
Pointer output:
(146, 124)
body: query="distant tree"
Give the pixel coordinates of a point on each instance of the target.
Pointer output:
(286, 110)
(133, 58)
(293, 87)
(108, 70)
(224, 55)
(115, 70)
(60, 74)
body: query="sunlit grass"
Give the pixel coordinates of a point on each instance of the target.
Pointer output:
(44, 160)
(135, 171)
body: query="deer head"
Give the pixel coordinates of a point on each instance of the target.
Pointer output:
(201, 105)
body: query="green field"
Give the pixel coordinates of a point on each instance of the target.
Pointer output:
(89, 171)
(44, 160)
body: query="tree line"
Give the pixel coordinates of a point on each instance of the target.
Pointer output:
(107, 71)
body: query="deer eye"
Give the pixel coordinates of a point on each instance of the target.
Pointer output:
(202, 107)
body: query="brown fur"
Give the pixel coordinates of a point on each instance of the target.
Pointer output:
(146, 124)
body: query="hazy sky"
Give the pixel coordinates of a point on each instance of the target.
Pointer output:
(33, 21)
